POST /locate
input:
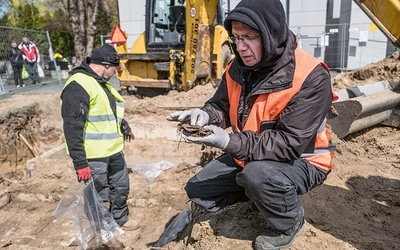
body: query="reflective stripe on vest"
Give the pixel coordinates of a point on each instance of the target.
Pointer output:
(102, 135)
(268, 107)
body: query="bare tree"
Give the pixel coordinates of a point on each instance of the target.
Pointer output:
(83, 15)
(76, 18)
(92, 13)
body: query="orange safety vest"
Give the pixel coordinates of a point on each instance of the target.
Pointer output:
(268, 107)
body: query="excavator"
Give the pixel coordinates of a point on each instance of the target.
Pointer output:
(365, 106)
(184, 44)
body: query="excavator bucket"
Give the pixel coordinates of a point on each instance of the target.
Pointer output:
(364, 106)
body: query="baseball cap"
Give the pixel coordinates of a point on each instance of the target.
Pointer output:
(105, 55)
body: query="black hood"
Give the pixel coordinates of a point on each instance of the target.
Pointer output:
(268, 17)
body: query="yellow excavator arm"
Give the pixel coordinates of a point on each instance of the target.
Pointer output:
(385, 14)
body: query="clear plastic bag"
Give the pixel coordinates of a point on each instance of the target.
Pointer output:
(83, 206)
(151, 170)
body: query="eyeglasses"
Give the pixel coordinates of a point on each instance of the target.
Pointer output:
(244, 39)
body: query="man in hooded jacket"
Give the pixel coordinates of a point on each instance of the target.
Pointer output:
(275, 97)
(95, 130)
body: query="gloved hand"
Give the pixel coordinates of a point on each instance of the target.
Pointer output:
(84, 174)
(219, 137)
(196, 116)
(127, 131)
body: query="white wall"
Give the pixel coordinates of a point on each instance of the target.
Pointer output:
(306, 12)
(132, 18)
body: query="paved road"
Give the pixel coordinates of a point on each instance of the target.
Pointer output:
(46, 87)
(53, 86)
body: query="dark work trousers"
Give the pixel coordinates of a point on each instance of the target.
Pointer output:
(111, 180)
(273, 187)
(17, 72)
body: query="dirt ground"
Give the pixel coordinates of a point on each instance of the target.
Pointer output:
(358, 206)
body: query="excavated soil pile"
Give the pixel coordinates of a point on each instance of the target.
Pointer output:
(386, 70)
(358, 207)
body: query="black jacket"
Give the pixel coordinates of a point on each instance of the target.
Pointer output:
(303, 115)
(15, 56)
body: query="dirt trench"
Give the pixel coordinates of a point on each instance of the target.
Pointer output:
(22, 134)
(19, 132)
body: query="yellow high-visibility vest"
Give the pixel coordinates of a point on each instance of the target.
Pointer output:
(102, 135)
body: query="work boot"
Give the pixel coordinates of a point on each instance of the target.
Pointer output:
(273, 239)
(130, 225)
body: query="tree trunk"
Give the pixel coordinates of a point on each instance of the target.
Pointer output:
(92, 12)
(105, 4)
(76, 18)
(82, 16)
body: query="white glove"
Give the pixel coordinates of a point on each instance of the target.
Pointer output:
(196, 116)
(219, 137)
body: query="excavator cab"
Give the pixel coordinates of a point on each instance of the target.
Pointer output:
(184, 44)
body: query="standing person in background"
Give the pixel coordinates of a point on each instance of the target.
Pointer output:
(32, 58)
(17, 62)
(275, 97)
(95, 130)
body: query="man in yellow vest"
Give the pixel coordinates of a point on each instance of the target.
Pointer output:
(275, 98)
(95, 130)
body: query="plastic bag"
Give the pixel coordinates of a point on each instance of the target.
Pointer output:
(176, 226)
(151, 170)
(24, 74)
(82, 205)
(40, 71)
